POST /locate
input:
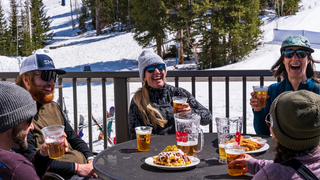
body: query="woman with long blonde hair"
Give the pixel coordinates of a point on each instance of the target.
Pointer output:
(152, 105)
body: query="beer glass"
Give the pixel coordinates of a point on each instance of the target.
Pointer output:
(261, 94)
(233, 153)
(226, 130)
(55, 140)
(177, 103)
(187, 132)
(143, 134)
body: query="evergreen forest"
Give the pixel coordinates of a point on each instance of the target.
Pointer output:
(221, 31)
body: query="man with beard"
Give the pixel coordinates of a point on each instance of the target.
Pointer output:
(17, 109)
(38, 76)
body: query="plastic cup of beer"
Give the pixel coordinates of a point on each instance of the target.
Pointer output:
(234, 153)
(261, 94)
(177, 103)
(55, 140)
(222, 152)
(143, 134)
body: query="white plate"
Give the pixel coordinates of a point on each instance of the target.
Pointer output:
(194, 160)
(264, 148)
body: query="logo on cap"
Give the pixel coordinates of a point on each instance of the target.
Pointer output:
(48, 62)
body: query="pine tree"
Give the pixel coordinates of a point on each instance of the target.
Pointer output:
(13, 30)
(151, 22)
(3, 32)
(40, 25)
(229, 30)
(25, 44)
(84, 15)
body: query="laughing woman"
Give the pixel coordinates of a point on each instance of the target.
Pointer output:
(295, 67)
(152, 104)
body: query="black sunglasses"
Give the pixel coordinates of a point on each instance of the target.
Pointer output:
(290, 53)
(30, 120)
(151, 68)
(48, 75)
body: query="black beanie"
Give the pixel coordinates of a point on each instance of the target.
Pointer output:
(16, 105)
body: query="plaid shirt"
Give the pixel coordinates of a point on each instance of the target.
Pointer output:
(266, 169)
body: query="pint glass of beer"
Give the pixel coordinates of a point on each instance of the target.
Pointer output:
(55, 140)
(234, 153)
(261, 94)
(143, 134)
(227, 127)
(177, 103)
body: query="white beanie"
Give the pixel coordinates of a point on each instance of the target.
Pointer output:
(147, 58)
(16, 105)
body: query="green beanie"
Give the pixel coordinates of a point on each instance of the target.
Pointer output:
(296, 119)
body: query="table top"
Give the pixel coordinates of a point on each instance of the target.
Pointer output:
(124, 161)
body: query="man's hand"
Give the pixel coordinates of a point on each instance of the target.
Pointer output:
(86, 170)
(44, 147)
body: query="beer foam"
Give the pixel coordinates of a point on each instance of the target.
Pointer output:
(260, 89)
(141, 132)
(179, 101)
(235, 151)
(50, 140)
(189, 143)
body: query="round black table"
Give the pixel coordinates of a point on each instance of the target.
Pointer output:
(124, 161)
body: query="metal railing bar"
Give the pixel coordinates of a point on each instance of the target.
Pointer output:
(60, 93)
(104, 113)
(193, 82)
(89, 113)
(210, 100)
(227, 97)
(244, 104)
(75, 104)
(176, 81)
(261, 80)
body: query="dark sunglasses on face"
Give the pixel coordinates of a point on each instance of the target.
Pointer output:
(151, 68)
(48, 75)
(30, 121)
(290, 53)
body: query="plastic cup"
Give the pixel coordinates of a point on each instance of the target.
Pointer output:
(261, 94)
(234, 153)
(55, 140)
(143, 134)
(177, 103)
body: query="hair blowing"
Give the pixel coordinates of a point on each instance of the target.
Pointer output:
(148, 113)
(280, 69)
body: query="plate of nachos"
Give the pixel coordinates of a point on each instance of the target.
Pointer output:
(252, 146)
(172, 158)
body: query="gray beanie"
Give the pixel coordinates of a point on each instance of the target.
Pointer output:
(296, 119)
(147, 58)
(16, 105)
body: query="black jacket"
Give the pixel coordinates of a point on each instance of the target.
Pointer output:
(162, 100)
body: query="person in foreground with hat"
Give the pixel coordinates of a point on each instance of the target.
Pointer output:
(38, 76)
(152, 104)
(17, 109)
(296, 69)
(294, 122)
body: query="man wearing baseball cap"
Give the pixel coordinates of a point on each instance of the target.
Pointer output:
(17, 109)
(38, 76)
